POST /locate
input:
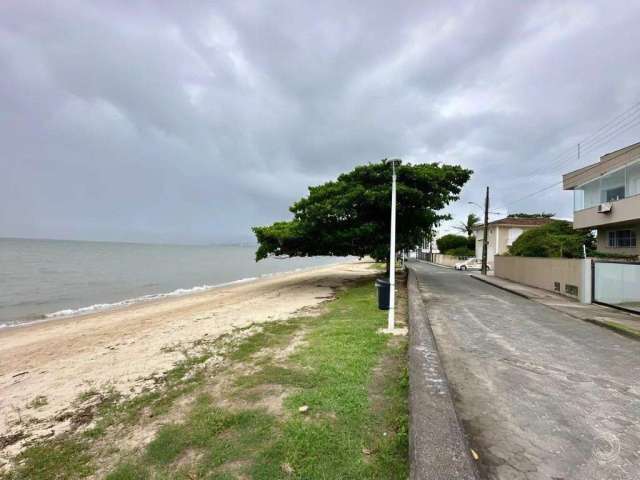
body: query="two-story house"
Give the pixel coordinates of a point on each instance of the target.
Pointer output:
(502, 233)
(606, 197)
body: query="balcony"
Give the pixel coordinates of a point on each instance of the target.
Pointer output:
(619, 190)
(622, 211)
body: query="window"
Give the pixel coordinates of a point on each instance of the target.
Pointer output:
(622, 239)
(614, 194)
(612, 186)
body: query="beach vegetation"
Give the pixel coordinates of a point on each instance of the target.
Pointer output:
(351, 215)
(335, 406)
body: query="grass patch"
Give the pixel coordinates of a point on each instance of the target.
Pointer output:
(620, 328)
(57, 459)
(352, 379)
(272, 335)
(343, 348)
(274, 374)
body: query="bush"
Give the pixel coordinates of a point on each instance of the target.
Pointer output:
(460, 252)
(451, 242)
(620, 256)
(555, 239)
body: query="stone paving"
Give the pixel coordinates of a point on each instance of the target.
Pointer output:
(541, 395)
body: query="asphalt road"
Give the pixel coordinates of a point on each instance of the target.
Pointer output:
(541, 395)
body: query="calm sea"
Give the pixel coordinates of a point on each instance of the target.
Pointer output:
(52, 278)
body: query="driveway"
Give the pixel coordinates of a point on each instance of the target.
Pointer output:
(541, 395)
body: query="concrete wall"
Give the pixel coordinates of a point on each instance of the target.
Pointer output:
(553, 274)
(447, 260)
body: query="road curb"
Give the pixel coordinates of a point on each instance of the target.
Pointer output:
(613, 327)
(438, 448)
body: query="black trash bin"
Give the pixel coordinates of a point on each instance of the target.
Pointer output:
(384, 288)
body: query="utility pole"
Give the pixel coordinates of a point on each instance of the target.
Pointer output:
(391, 321)
(485, 239)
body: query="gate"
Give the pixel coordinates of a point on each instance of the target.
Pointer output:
(617, 284)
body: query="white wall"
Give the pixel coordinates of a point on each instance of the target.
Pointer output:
(617, 282)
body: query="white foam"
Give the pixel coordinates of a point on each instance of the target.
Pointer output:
(69, 312)
(145, 298)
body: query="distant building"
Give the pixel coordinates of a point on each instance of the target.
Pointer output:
(606, 197)
(502, 233)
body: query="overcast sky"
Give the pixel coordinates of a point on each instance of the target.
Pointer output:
(192, 121)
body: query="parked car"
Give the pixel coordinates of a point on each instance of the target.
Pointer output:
(470, 264)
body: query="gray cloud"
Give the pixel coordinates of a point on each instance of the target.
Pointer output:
(192, 121)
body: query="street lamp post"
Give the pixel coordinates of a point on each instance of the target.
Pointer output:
(392, 250)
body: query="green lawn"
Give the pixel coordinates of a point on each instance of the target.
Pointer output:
(351, 379)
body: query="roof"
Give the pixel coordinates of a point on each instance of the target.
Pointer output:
(608, 162)
(518, 222)
(620, 151)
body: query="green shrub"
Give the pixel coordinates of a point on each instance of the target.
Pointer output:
(460, 252)
(555, 239)
(451, 242)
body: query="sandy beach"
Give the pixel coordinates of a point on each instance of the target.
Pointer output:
(124, 348)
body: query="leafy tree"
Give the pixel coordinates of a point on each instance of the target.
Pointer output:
(531, 215)
(555, 239)
(451, 241)
(351, 215)
(467, 226)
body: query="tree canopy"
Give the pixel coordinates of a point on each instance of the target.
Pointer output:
(555, 239)
(351, 215)
(457, 245)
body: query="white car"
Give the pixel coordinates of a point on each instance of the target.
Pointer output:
(470, 264)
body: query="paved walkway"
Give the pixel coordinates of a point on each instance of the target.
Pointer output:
(623, 322)
(540, 394)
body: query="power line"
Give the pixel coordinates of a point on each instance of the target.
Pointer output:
(591, 167)
(532, 194)
(631, 122)
(616, 121)
(614, 127)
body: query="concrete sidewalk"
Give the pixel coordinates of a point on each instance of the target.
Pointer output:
(617, 320)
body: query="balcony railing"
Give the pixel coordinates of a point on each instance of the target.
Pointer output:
(611, 187)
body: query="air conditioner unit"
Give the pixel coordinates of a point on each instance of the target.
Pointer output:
(605, 208)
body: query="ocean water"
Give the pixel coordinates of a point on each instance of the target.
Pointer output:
(42, 279)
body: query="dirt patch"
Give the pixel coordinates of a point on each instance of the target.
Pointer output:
(6, 440)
